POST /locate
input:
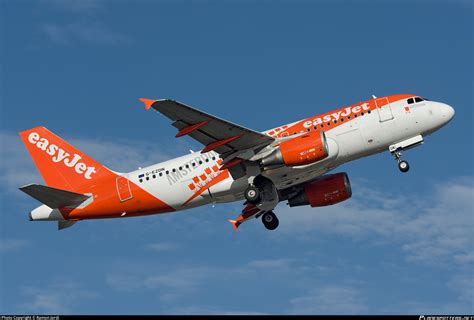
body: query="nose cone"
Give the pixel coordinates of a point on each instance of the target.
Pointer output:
(447, 112)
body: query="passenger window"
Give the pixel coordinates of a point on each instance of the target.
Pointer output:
(154, 176)
(342, 119)
(361, 114)
(167, 172)
(418, 99)
(161, 173)
(410, 101)
(335, 121)
(200, 162)
(322, 125)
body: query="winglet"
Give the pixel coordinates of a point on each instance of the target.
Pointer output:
(234, 224)
(147, 102)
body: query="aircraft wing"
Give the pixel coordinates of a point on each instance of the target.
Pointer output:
(224, 137)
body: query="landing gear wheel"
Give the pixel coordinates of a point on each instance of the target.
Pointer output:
(252, 194)
(403, 166)
(270, 220)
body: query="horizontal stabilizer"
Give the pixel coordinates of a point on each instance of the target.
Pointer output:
(52, 197)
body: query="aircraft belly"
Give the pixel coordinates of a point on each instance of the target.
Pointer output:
(228, 190)
(286, 177)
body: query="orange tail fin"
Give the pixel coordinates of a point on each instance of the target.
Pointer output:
(61, 165)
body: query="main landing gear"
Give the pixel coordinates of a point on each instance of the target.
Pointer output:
(270, 220)
(252, 194)
(403, 165)
(262, 194)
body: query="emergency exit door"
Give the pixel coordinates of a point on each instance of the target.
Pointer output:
(123, 189)
(384, 109)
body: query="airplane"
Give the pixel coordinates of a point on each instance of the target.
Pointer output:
(289, 163)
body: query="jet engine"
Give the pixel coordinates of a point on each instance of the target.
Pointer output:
(325, 191)
(304, 149)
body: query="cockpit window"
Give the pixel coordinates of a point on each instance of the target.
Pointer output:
(410, 101)
(418, 99)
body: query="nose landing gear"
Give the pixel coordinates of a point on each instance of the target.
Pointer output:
(403, 165)
(396, 150)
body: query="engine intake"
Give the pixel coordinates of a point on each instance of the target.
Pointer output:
(325, 191)
(305, 149)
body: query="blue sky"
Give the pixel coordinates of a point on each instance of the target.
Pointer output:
(402, 244)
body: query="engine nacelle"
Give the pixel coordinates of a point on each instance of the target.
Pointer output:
(305, 149)
(325, 191)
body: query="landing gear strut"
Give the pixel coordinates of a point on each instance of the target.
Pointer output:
(270, 220)
(403, 165)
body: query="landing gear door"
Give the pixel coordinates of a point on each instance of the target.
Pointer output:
(123, 189)
(384, 110)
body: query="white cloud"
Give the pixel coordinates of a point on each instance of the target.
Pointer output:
(76, 6)
(162, 246)
(11, 245)
(83, 26)
(16, 166)
(430, 228)
(57, 297)
(460, 289)
(463, 285)
(82, 32)
(171, 284)
(208, 310)
(331, 299)
(124, 282)
(274, 264)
